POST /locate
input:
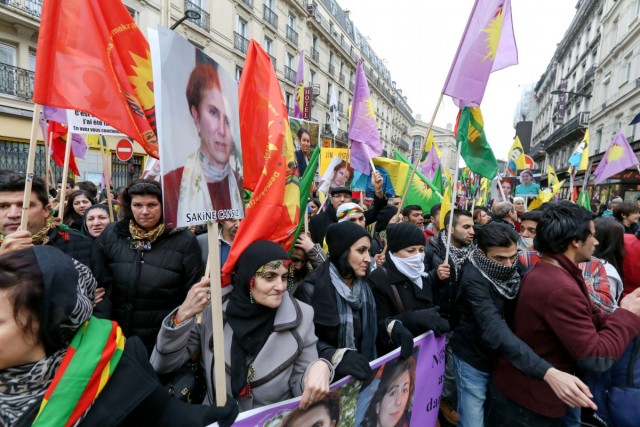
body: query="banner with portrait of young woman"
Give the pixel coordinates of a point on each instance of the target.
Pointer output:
(334, 169)
(198, 133)
(401, 393)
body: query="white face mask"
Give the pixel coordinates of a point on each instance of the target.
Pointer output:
(528, 242)
(412, 267)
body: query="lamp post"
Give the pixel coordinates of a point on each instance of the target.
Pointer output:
(188, 14)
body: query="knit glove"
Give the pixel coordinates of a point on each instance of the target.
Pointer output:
(355, 364)
(403, 338)
(225, 415)
(420, 321)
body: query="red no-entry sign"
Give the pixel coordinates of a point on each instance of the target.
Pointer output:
(124, 150)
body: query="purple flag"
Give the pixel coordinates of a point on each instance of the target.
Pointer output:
(56, 114)
(363, 130)
(487, 45)
(431, 164)
(78, 143)
(619, 156)
(298, 102)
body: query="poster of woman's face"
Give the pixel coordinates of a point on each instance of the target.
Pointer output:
(306, 135)
(337, 174)
(198, 133)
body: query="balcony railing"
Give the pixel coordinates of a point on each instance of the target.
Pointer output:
(341, 78)
(240, 42)
(273, 61)
(315, 54)
(289, 74)
(270, 16)
(332, 69)
(248, 3)
(32, 7)
(292, 35)
(203, 21)
(16, 82)
(351, 86)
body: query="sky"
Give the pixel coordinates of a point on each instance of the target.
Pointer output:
(419, 38)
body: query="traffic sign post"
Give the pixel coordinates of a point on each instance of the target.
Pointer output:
(124, 150)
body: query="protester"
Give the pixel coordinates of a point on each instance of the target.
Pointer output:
(528, 225)
(392, 402)
(504, 212)
(77, 204)
(489, 286)
(630, 264)
(386, 215)
(303, 154)
(344, 307)
(610, 250)
(300, 269)
(413, 215)
(434, 222)
(611, 206)
(42, 227)
(146, 268)
(67, 188)
(270, 344)
(627, 214)
(518, 204)
(51, 344)
(481, 217)
(313, 206)
(226, 234)
(555, 318)
(403, 292)
(89, 187)
(95, 220)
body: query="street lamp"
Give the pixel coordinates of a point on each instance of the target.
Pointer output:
(560, 92)
(188, 14)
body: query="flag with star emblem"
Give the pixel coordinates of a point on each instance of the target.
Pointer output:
(474, 147)
(363, 130)
(619, 156)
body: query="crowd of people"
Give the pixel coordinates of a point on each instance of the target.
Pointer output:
(540, 310)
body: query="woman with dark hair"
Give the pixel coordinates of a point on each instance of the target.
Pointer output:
(270, 345)
(344, 307)
(146, 268)
(392, 402)
(322, 413)
(95, 220)
(303, 154)
(610, 250)
(59, 366)
(76, 206)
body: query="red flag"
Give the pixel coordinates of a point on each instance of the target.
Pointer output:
(268, 160)
(96, 60)
(58, 143)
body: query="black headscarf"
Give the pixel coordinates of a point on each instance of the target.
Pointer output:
(85, 229)
(251, 322)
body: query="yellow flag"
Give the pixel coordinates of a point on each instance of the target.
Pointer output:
(446, 205)
(516, 157)
(432, 143)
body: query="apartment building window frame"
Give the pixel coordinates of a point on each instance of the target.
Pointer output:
(32, 60)
(238, 73)
(292, 34)
(241, 42)
(10, 50)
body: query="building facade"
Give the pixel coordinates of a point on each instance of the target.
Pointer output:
(443, 137)
(321, 29)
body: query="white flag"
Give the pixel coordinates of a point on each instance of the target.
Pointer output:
(333, 109)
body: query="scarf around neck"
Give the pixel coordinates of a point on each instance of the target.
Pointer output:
(41, 237)
(412, 267)
(458, 255)
(138, 235)
(505, 280)
(358, 297)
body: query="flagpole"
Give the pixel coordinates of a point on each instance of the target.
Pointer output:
(454, 193)
(31, 160)
(65, 174)
(417, 160)
(47, 164)
(504, 198)
(106, 172)
(215, 287)
(587, 175)
(571, 184)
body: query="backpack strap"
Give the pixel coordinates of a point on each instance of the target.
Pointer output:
(396, 294)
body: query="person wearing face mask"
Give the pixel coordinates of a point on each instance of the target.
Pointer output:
(403, 292)
(489, 286)
(528, 224)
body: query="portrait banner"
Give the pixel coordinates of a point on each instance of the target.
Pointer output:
(334, 170)
(401, 392)
(198, 133)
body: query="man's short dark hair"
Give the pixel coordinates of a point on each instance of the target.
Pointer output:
(89, 187)
(496, 234)
(408, 209)
(532, 216)
(435, 209)
(626, 209)
(561, 224)
(457, 213)
(70, 181)
(14, 181)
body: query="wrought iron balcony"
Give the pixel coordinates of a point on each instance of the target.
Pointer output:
(341, 78)
(315, 55)
(240, 42)
(289, 74)
(270, 16)
(332, 69)
(292, 35)
(32, 7)
(203, 21)
(16, 82)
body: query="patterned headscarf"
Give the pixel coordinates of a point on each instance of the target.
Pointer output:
(347, 210)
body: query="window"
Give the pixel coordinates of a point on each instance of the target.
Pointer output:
(269, 4)
(330, 58)
(613, 38)
(7, 54)
(329, 85)
(291, 21)
(314, 42)
(627, 71)
(288, 97)
(32, 60)
(268, 45)
(313, 77)
(242, 27)
(289, 61)
(238, 73)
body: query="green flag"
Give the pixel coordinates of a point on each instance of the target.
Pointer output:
(421, 191)
(583, 200)
(474, 148)
(306, 180)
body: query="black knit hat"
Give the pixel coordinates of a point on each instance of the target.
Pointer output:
(342, 235)
(403, 235)
(384, 216)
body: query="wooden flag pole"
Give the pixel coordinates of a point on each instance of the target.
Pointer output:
(587, 175)
(47, 165)
(504, 198)
(31, 161)
(306, 219)
(216, 315)
(106, 171)
(453, 204)
(65, 174)
(571, 175)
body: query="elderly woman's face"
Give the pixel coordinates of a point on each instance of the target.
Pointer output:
(213, 123)
(394, 401)
(97, 221)
(519, 205)
(16, 347)
(270, 284)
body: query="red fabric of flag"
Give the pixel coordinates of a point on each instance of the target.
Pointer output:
(58, 139)
(94, 58)
(273, 213)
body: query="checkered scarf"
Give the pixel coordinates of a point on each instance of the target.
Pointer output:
(458, 255)
(506, 280)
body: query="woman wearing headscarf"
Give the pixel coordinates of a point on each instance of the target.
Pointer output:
(270, 344)
(403, 292)
(61, 367)
(345, 316)
(95, 220)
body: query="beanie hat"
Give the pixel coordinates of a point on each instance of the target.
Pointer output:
(347, 210)
(342, 235)
(339, 190)
(403, 235)
(384, 216)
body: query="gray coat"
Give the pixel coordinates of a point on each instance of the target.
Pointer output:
(280, 366)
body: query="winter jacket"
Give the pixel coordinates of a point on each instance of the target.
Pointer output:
(72, 243)
(279, 366)
(483, 333)
(143, 286)
(444, 291)
(630, 264)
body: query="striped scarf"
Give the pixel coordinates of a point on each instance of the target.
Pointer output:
(41, 237)
(139, 236)
(86, 368)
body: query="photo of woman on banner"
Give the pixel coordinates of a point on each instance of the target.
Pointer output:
(305, 135)
(337, 174)
(325, 412)
(208, 184)
(528, 186)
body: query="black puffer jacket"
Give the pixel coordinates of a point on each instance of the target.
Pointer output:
(72, 243)
(444, 291)
(143, 286)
